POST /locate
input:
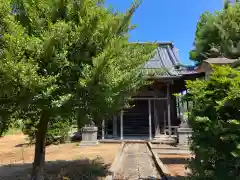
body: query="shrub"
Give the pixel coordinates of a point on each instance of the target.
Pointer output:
(12, 126)
(215, 119)
(4, 126)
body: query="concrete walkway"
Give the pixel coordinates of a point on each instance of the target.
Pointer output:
(137, 162)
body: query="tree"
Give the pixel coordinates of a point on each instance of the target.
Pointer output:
(218, 34)
(63, 58)
(112, 81)
(215, 119)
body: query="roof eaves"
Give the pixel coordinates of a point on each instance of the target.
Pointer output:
(220, 60)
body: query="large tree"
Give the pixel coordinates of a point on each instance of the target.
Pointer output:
(218, 34)
(65, 58)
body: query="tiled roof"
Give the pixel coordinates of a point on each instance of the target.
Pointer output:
(166, 59)
(217, 61)
(220, 60)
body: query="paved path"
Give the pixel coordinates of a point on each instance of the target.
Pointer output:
(137, 162)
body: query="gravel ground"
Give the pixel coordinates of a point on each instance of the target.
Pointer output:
(16, 159)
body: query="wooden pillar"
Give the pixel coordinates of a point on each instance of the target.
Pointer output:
(114, 126)
(121, 125)
(182, 104)
(165, 120)
(156, 120)
(169, 109)
(150, 119)
(189, 108)
(103, 129)
(178, 106)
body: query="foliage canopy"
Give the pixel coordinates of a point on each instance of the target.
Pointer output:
(218, 34)
(215, 119)
(64, 58)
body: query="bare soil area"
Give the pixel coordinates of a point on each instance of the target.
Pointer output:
(176, 164)
(66, 161)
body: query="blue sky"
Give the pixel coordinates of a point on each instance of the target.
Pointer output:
(168, 20)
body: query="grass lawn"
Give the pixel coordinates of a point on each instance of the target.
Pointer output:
(64, 162)
(176, 164)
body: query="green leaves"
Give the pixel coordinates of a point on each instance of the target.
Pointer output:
(68, 57)
(218, 34)
(216, 125)
(236, 153)
(114, 76)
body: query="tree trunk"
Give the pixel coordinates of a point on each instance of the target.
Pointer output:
(39, 158)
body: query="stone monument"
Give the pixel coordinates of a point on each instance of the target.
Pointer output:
(89, 135)
(184, 132)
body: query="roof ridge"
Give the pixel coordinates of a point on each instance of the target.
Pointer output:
(155, 42)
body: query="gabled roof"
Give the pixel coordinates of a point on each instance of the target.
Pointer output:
(166, 58)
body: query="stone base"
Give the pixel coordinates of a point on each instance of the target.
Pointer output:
(184, 135)
(88, 143)
(164, 139)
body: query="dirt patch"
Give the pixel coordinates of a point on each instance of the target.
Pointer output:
(176, 164)
(16, 157)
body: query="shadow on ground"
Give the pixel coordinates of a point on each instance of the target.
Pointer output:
(175, 178)
(59, 170)
(174, 160)
(23, 145)
(149, 178)
(153, 178)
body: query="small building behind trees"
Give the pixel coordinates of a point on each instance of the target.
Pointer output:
(206, 65)
(155, 110)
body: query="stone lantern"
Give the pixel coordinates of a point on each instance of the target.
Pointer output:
(89, 135)
(184, 132)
